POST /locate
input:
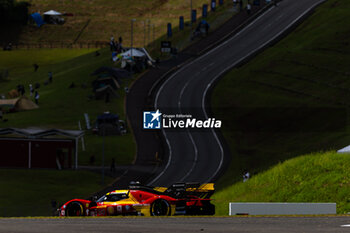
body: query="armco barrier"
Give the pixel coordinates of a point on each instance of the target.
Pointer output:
(277, 208)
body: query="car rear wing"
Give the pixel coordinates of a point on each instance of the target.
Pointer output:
(179, 190)
(185, 189)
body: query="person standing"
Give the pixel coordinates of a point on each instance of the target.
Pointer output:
(213, 5)
(36, 67)
(249, 8)
(234, 4)
(240, 5)
(246, 176)
(31, 89)
(50, 77)
(36, 97)
(112, 44)
(92, 159)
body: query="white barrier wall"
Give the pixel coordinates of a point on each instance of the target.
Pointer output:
(276, 208)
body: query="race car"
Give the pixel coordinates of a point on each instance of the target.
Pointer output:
(178, 199)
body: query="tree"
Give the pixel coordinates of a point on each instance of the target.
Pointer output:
(13, 12)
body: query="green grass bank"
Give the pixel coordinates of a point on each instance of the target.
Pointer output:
(317, 177)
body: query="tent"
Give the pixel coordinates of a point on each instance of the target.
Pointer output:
(18, 104)
(103, 81)
(101, 92)
(38, 19)
(135, 53)
(52, 13)
(108, 117)
(53, 17)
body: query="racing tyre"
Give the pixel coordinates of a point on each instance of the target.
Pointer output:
(160, 207)
(75, 209)
(209, 209)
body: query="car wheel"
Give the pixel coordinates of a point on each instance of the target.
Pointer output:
(209, 209)
(160, 207)
(75, 209)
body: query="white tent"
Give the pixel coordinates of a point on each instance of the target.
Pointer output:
(344, 150)
(147, 55)
(52, 12)
(135, 53)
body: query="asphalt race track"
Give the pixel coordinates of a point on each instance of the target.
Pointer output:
(176, 224)
(199, 156)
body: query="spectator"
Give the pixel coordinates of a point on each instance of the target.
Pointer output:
(249, 8)
(8, 47)
(213, 5)
(234, 4)
(72, 85)
(50, 76)
(112, 44)
(113, 166)
(240, 5)
(20, 89)
(246, 176)
(92, 160)
(119, 47)
(1, 113)
(36, 67)
(31, 89)
(36, 97)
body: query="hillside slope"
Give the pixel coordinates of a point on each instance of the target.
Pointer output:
(291, 99)
(97, 20)
(63, 107)
(318, 177)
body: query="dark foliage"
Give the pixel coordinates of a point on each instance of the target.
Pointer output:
(13, 12)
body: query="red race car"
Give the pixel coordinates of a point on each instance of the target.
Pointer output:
(179, 198)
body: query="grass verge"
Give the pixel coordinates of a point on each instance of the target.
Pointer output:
(317, 177)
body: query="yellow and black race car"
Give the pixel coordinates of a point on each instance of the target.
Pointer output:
(178, 199)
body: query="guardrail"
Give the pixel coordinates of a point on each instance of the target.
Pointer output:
(280, 208)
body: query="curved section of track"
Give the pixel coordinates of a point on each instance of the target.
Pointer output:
(195, 155)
